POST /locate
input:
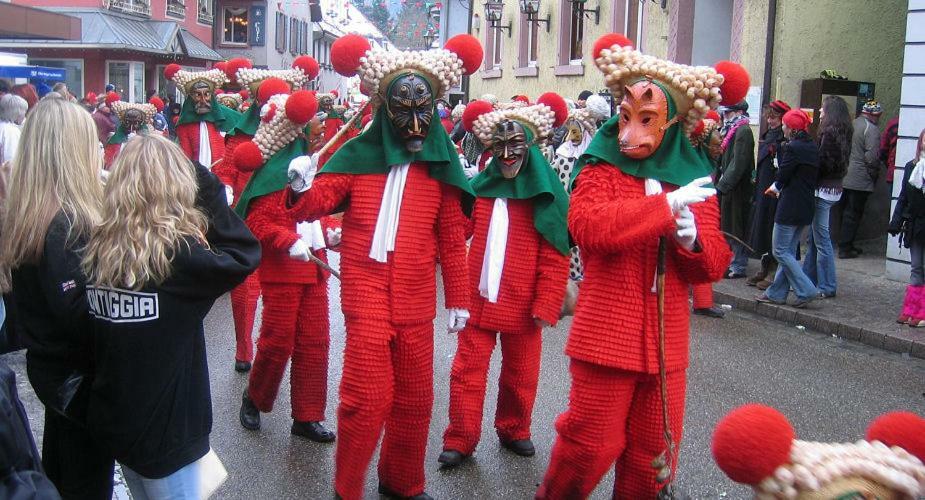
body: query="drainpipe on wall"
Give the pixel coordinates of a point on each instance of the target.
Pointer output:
(768, 57)
(465, 82)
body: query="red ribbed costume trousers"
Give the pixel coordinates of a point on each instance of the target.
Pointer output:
(520, 371)
(703, 295)
(613, 416)
(243, 309)
(295, 324)
(387, 383)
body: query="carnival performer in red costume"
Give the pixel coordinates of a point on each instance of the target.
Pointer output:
(401, 184)
(518, 267)
(203, 121)
(639, 186)
(244, 296)
(295, 296)
(133, 119)
(756, 445)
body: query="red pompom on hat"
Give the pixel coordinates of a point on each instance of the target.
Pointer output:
(244, 94)
(247, 156)
(90, 97)
(713, 115)
(233, 65)
(699, 128)
(609, 40)
(735, 82)
(222, 65)
(157, 102)
(521, 98)
(308, 65)
(751, 442)
(171, 70)
(468, 49)
(112, 97)
(271, 87)
(346, 52)
(796, 119)
(301, 107)
(901, 428)
(334, 93)
(473, 111)
(558, 106)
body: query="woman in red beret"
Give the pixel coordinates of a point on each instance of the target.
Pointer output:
(795, 189)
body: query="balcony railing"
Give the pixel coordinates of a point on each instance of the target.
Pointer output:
(205, 11)
(176, 9)
(142, 7)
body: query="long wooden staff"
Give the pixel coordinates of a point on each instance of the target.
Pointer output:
(664, 462)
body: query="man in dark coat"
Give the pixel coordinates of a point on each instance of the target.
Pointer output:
(734, 184)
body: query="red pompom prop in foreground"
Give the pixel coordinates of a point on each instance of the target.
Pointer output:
(473, 111)
(346, 52)
(308, 65)
(112, 97)
(157, 102)
(271, 87)
(901, 428)
(468, 49)
(751, 442)
(171, 70)
(90, 97)
(233, 65)
(247, 156)
(558, 106)
(713, 115)
(735, 82)
(221, 65)
(609, 40)
(301, 107)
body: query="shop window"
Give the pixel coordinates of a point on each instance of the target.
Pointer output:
(236, 24)
(75, 72)
(280, 32)
(129, 79)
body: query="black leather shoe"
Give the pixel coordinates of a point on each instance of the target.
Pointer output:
(242, 366)
(312, 431)
(848, 254)
(710, 312)
(386, 492)
(250, 415)
(451, 458)
(522, 447)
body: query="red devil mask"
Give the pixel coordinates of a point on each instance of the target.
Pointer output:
(643, 119)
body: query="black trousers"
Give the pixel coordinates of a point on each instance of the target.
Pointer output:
(854, 203)
(74, 461)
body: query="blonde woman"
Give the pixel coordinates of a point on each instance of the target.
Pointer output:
(167, 246)
(52, 203)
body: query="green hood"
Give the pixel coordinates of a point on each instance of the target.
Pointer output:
(676, 161)
(223, 117)
(537, 181)
(248, 122)
(271, 177)
(379, 148)
(120, 136)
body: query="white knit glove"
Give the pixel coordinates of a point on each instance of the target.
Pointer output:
(457, 319)
(299, 251)
(690, 194)
(301, 173)
(334, 236)
(469, 170)
(686, 235)
(229, 195)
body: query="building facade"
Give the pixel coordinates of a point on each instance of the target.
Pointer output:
(271, 34)
(124, 42)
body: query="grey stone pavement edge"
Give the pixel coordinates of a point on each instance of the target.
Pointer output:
(829, 388)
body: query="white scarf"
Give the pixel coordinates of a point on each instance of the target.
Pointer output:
(653, 187)
(495, 248)
(205, 146)
(569, 150)
(917, 177)
(389, 209)
(312, 234)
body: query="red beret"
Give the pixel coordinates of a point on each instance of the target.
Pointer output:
(779, 107)
(796, 119)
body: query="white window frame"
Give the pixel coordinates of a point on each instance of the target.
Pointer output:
(497, 48)
(209, 11)
(83, 71)
(247, 28)
(533, 32)
(168, 15)
(571, 21)
(131, 79)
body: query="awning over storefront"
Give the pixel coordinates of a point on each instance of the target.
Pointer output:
(37, 72)
(103, 29)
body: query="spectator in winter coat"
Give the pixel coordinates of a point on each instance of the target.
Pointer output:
(909, 224)
(734, 185)
(52, 204)
(863, 171)
(164, 262)
(834, 149)
(795, 187)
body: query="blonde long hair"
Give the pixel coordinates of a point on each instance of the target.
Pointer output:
(55, 170)
(149, 211)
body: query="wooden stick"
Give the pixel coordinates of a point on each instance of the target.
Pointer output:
(324, 265)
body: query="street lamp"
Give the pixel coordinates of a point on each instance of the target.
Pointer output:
(532, 9)
(429, 37)
(579, 5)
(493, 13)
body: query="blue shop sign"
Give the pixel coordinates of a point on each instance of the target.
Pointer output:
(258, 22)
(36, 72)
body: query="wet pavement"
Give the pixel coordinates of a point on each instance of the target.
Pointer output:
(830, 388)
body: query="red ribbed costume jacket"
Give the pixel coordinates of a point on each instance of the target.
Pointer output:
(534, 276)
(402, 290)
(616, 320)
(110, 152)
(188, 137)
(275, 227)
(226, 171)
